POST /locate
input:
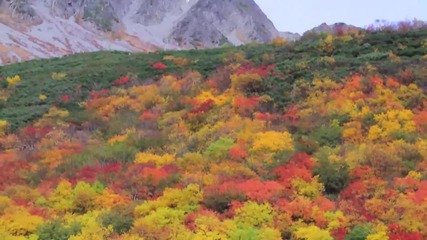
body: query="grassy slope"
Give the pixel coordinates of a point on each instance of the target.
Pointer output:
(94, 71)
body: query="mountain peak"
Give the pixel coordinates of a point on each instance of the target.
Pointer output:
(56, 27)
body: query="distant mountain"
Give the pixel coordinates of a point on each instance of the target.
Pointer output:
(290, 36)
(334, 29)
(46, 28)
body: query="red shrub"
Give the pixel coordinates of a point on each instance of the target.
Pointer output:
(159, 66)
(121, 81)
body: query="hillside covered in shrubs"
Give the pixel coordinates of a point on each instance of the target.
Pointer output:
(321, 139)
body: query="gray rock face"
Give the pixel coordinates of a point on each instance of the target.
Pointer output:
(215, 22)
(290, 36)
(130, 24)
(334, 29)
(206, 22)
(152, 12)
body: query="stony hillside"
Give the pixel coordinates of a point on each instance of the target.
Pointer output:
(46, 28)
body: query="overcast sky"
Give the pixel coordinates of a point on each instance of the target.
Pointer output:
(301, 15)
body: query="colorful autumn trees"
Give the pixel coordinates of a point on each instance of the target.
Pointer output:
(193, 155)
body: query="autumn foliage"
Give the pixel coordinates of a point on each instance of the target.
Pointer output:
(189, 156)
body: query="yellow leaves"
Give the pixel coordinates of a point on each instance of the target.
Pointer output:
(345, 38)
(279, 41)
(218, 100)
(108, 199)
(212, 228)
(146, 97)
(58, 76)
(378, 236)
(335, 219)
(326, 45)
(415, 175)
(106, 107)
(391, 122)
(53, 158)
(3, 127)
(60, 199)
(309, 189)
(55, 116)
(121, 138)
(256, 215)
(5, 202)
(244, 81)
(202, 179)
(352, 131)
(301, 65)
(328, 60)
(380, 232)
(360, 113)
(193, 162)
(375, 133)
(17, 221)
(13, 81)
(55, 112)
(325, 85)
(94, 231)
(232, 169)
(117, 138)
(273, 141)
(178, 61)
(393, 57)
(159, 160)
(270, 234)
(186, 199)
(421, 145)
(83, 198)
(329, 39)
(312, 233)
(42, 97)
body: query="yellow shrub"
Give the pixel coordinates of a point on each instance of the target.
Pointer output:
(12, 81)
(243, 81)
(312, 233)
(58, 76)
(279, 41)
(273, 141)
(3, 126)
(160, 161)
(42, 97)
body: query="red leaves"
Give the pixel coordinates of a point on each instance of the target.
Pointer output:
(263, 70)
(154, 175)
(420, 196)
(91, 173)
(421, 121)
(121, 81)
(407, 76)
(263, 116)
(64, 98)
(291, 114)
(98, 94)
(261, 191)
(204, 107)
(237, 153)
(299, 167)
(244, 105)
(148, 116)
(159, 66)
(392, 83)
(396, 233)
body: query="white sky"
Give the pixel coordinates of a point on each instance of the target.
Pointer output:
(301, 15)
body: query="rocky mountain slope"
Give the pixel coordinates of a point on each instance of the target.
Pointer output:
(334, 29)
(47, 28)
